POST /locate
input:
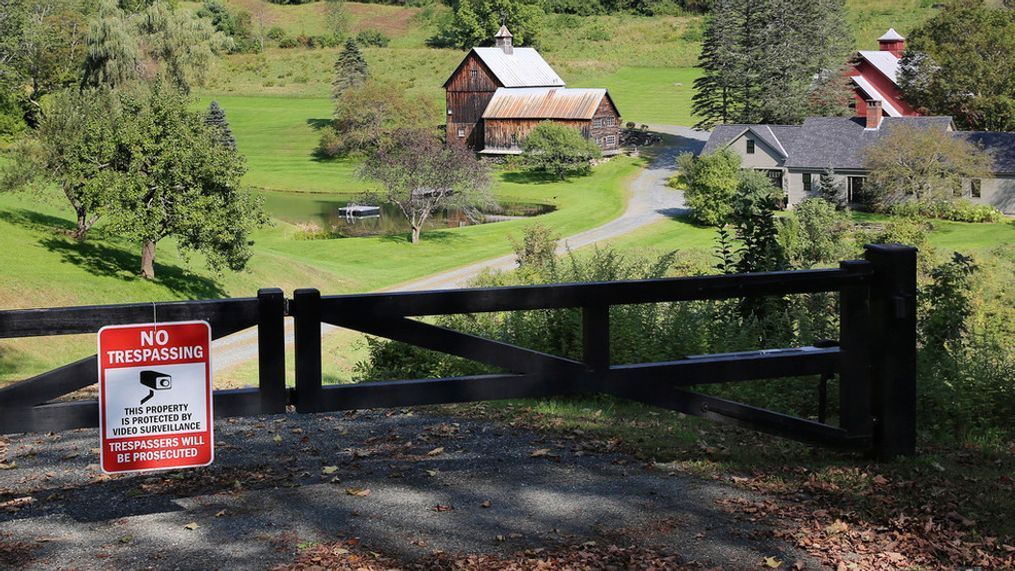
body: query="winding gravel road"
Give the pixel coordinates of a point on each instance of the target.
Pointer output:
(650, 200)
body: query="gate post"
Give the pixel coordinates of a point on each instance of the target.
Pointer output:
(271, 350)
(893, 349)
(306, 308)
(855, 416)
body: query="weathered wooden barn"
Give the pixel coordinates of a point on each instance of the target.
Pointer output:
(497, 95)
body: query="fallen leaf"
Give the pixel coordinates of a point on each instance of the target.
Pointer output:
(838, 526)
(220, 513)
(358, 492)
(442, 508)
(486, 504)
(329, 469)
(432, 472)
(539, 453)
(771, 563)
(191, 526)
(436, 451)
(13, 464)
(880, 480)
(277, 438)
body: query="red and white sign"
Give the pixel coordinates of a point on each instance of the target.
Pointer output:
(155, 396)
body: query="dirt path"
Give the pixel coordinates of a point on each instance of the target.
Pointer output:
(650, 200)
(281, 484)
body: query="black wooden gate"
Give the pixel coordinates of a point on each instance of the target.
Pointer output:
(874, 357)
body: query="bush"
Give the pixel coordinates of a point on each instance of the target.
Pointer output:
(957, 210)
(276, 33)
(288, 43)
(372, 38)
(710, 183)
(330, 145)
(558, 150)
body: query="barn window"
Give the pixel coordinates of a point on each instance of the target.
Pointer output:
(473, 73)
(461, 132)
(750, 146)
(597, 122)
(611, 140)
(807, 181)
(974, 188)
(609, 121)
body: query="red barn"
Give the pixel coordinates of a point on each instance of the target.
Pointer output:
(497, 95)
(875, 78)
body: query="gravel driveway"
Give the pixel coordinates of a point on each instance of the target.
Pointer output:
(436, 483)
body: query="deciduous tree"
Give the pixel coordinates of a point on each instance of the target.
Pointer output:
(368, 114)
(558, 149)
(475, 22)
(180, 182)
(913, 163)
(960, 63)
(422, 175)
(710, 182)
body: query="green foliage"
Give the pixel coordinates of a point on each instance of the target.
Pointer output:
(558, 150)
(179, 181)
(368, 114)
(215, 118)
(753, 216)
(956, 210)
(75, 147)
(474, 23)
(754, 72)
(350, 69)
(158, 42)
(373, 38)
(921, 165)
(537, 248)
(817, 235)
(959, 63)
(711, 182)
(236, 26)
(831, 190)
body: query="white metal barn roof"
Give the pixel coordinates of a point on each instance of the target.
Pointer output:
(524, 67)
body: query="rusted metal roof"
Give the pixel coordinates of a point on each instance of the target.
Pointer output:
(544, 103)
(523, 67)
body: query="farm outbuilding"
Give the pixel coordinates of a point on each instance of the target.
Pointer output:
(497, 96)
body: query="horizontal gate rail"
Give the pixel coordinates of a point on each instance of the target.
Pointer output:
(556, 296)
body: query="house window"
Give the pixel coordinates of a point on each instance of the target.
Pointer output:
(609, 121)
(597, 122)
(807, 181)
(974, 188)
(473, 73)
(750, 146)
(611, 140)
(461, 132)
(854, 190)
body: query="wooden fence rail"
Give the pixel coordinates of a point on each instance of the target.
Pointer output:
(874, 357)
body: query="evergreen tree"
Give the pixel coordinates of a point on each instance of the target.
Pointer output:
(713, 99)
(350, 69)
(831, 191)
(770, 61)
(216, 120)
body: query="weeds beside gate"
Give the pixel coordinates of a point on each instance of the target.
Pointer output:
(874, 357)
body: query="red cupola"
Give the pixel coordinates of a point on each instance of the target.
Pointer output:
(893, 42)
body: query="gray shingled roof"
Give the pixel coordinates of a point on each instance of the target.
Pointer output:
(838, 142)
(1000, 144)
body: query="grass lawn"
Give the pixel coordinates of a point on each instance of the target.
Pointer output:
(41, 267)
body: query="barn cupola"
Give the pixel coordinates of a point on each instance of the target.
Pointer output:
(503, 40)
(893, 42)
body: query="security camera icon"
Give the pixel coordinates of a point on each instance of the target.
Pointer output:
(155, 381)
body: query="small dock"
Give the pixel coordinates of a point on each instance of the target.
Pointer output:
(359, 211)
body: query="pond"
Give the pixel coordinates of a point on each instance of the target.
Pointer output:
(322, 210)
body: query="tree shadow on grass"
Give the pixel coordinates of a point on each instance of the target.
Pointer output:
(108, 261)
(36, 221)
(318, 124)
(442, 237)
(533, 177)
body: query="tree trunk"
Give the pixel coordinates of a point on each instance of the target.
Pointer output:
(148, 260)
(416, 230)
(83, 226)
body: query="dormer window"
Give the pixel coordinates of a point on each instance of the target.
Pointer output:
(750, 146)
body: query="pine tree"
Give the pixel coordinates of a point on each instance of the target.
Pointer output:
(350, 69)
(216, 119)
(830, 190)
(713, 99)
